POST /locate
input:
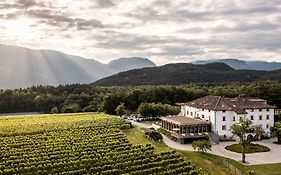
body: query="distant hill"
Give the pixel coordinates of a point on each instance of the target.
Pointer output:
(183, 73)
(123, 64)
(240, 64)
(22, 67)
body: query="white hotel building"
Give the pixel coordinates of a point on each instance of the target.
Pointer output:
(222, 112)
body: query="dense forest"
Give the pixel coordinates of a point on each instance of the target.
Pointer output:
(77, 98)
(184, 73)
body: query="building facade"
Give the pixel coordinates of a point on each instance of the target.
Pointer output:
(222, 113)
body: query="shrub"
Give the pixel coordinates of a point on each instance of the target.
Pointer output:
(72, 108)
(54, 110)
(202, 146)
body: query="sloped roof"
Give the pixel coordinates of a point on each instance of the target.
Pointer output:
(238, 105)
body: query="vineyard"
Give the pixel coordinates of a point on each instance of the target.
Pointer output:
(80, 144)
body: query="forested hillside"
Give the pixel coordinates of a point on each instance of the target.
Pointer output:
(183, 73)
(76, 98)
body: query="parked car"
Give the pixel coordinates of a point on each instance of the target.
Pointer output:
(125, 117)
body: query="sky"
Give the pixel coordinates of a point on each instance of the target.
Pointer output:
(165, 31)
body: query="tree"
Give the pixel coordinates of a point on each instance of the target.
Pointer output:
(72, 108)
(276, 131)
(156, 110)
(202, 146)
(243, 130)
(120, 110)
(54, 110)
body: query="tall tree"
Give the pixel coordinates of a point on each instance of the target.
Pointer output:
(276, 131)
(120, 110)
(243, 130)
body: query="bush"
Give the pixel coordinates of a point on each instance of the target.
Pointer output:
(89, 108)
(72, 108)
(202, 146)
(54, 110)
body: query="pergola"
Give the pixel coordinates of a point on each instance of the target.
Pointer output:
(184, 128)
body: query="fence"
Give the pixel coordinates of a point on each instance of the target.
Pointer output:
(232, 168)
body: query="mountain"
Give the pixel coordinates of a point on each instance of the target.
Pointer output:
(184, 73)
(240, 64)
(22, 67)
(124, 64)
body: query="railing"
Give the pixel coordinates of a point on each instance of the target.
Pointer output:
(233, 168)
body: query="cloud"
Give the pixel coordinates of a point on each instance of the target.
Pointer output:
(164, 30)
(104, 3)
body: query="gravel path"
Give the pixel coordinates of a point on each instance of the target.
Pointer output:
(273, 156)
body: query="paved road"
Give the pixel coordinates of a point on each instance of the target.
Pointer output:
(273, 156)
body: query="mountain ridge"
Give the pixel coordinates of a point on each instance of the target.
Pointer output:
(184, 73)
(23, 67)
(241, 64)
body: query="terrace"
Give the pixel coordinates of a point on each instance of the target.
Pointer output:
(185, 129)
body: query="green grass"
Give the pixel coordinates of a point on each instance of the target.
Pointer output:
(136, 136)
(211, 164)
(250, 148)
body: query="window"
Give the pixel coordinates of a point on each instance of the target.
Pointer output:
(260, 110)
(187, 112)
(223, 118)
(223, 127)
(252, 110)
(209, 110)
(202, 109)
(240, 118)
(191, 113)
(260, 117)
(233, 119)
(267, 117)
(223, 110)
(197, 115)
(252, 117)
(267, 126)
(203, 116)
(267, 109)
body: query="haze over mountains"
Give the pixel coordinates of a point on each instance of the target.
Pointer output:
(184, 73)
(240, 64)
(22, 67)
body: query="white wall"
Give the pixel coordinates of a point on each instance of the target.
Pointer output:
(216, 118)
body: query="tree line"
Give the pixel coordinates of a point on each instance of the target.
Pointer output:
(87, 98)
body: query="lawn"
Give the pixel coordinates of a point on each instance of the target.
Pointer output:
(210, 163)
(250, 148)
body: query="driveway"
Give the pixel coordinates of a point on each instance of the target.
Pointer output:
(273, 156)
